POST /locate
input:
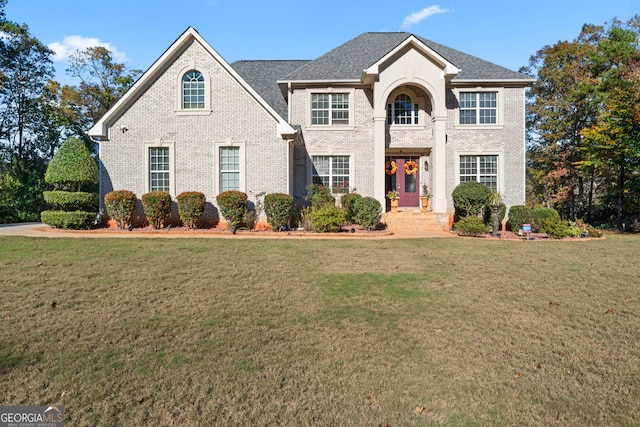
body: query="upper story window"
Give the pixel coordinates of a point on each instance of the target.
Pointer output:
(478, 108)
(402, 111)
(193, 90)
(330, 109)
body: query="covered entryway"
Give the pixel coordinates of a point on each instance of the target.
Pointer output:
(403, 176)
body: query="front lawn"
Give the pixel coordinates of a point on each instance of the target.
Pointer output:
(322, 332)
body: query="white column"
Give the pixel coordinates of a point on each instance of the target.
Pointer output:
(378, 163)
(439, 165)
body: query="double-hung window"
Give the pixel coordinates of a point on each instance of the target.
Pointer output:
(229, 168)
(478, 108)
(331, 171)
(159, 169)
(483, 169)
(330, 109)
(402, 111)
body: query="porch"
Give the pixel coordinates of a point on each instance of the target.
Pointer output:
(409, 219)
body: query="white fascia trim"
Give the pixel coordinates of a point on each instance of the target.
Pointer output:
(518, 82)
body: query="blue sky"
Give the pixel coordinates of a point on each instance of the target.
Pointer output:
(506, 32)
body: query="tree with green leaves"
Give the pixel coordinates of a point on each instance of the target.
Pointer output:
(582, 123)
(25, 142)
(613, 140)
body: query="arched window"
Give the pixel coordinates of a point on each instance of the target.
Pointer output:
(193, 90)
(403, 111)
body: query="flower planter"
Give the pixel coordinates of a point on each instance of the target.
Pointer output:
(394, 205)
(425, 204)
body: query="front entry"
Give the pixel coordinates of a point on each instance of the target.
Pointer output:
(405, 180)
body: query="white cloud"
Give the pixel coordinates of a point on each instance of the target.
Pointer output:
(419, 16)
(71, 44)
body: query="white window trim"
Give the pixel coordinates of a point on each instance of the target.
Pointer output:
(501, 170)
(207, 93)
(499, 113)
(172, 164)
(350, 91)
(216, 163)
(415, 99)
(352, 163)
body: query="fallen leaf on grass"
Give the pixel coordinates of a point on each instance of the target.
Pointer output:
(626, 300)
(559, 353)
(142, 399)
(518, 374)
(610, 311)
(538, 366)
(420, 409)
(54, 304)
(165, 334)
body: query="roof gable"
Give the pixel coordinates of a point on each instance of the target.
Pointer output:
(190, 35)
(347, 62)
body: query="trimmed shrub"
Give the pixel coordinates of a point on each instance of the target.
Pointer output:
(68, 220)
(347, 202)
(520, 214)
(120, 206)
(559, 229)
(327, 219)
(367, 212)
(471, 226)
(191, 207)
(157, 207)
(72, 166)
(233, 205)
(469, 198)
(545, 219)
(277, 207)
(319, 195)
(71, 201)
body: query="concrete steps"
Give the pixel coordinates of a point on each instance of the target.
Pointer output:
(410, 219)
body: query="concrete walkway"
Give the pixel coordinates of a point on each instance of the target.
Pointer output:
(37, 229)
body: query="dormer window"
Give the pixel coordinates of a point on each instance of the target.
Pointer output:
(193, 95)
(402, 111)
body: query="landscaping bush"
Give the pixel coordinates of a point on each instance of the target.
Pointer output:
(71, 201)
(559, 229)
(191, 207)
(546, 219)
(120, 206)
(469, 198)
(233, 205)
(518, 215)
(319, 195)
(277, 207)
(347, 202)
(72, 166)
(327, 218)
(157, 207)
(367, 212)
(471, 226)
(68, 220)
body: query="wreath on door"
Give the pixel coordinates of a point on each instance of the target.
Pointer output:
(390, 167)
(410, 167)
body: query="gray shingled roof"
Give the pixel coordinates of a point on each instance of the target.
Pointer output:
(263, 75)
(346, 62)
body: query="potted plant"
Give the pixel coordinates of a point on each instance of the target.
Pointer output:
(394, 197)
(425, 197)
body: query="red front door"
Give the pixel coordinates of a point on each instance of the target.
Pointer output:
(406, 184)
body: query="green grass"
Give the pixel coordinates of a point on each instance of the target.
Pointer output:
(322, 332)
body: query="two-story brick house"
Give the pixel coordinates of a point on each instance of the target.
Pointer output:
(382, 111)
